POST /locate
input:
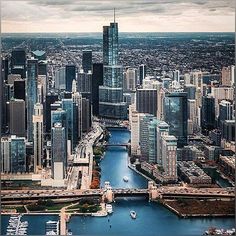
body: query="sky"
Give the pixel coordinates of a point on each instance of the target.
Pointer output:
(131, 15)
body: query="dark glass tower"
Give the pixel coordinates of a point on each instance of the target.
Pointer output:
(70, 76)
(18, 62)
(97, 80)
(31, 92)
(87, 60)
(208, 114)
(111, 102)
(142, 73)
(176, 115)
(19, 89)
(146, 101)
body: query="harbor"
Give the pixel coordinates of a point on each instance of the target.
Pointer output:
(16, 226)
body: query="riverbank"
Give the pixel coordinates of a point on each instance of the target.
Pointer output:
(200, 208)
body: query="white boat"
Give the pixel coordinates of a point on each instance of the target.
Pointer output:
(125, 178)
(109, 208)
(133, 214)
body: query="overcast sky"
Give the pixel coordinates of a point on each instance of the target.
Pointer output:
(132, 15)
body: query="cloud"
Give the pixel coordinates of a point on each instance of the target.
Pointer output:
(96, 12)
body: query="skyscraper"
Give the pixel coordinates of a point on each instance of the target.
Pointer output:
(84, 84)
(19, 89)
(111, 102)
(18, 154)
(146, 101)
(131, 80)
(208, 114)
(162, 129)
(5, 154)
(169, 155)
(144, 134)
(31, 92)
(59, 152)
(59, 116)
(142, 73)
(50, 99)
(77, 99)
(17, 117)
(86, 115)
(225, 112)
(70, 76)
(87, 60)
(176, 115)
(18, 62)
(60, 78)
(152, 133)
(97, 80)
(38, 135)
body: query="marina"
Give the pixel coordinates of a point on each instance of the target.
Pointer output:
(16, 226)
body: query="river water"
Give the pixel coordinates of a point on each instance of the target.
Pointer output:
(152, 219)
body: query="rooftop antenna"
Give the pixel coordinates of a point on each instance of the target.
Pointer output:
(114, 15)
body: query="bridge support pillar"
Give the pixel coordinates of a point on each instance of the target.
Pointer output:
(108, 194)
(153, 193)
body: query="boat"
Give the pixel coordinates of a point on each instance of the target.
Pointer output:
(52, 227)
(109, 208)
(133, 214)
(125, 178)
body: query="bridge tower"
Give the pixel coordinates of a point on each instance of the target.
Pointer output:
(152, 189)
(108, 193)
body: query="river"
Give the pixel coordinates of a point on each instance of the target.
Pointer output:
(152, 219)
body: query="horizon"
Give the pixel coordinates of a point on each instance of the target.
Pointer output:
(133, 32)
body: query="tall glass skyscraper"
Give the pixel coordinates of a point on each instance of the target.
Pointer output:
(111, 102)
(18, 154)
(31, 92)
(176, 115)
(59, 151)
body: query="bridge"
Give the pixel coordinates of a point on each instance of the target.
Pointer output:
(152, 192)
(117, 145)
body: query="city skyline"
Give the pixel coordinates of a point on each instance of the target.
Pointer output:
(133, 16)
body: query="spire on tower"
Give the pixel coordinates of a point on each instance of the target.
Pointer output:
(114, 15)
